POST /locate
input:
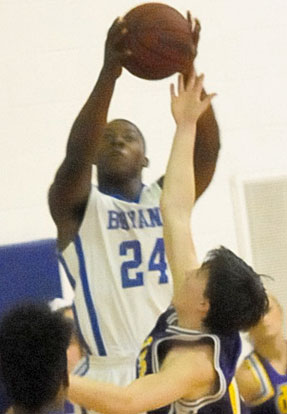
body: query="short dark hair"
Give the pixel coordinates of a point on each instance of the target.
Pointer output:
(235, 292)
(33, 359)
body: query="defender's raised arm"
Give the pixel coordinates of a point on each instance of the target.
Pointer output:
(179, 191)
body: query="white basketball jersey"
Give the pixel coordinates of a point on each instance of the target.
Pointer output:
(119, 272)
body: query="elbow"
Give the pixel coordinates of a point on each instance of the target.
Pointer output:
(125, 405)
(125, 402)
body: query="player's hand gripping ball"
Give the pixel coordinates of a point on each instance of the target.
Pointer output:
(161, 41)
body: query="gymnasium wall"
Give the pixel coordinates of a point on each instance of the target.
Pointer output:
(51, 54)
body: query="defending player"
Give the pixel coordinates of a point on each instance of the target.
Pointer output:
(262, 377)
(33, 358)
(185, 367)
(111, 235)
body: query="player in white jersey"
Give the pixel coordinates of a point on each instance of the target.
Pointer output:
(122, 243)
(111, 236)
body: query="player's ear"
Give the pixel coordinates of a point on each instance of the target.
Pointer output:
(145, 162)
(204, 305)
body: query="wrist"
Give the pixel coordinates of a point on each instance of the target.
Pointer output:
(110, 73)
(112, 69)
(186, 125)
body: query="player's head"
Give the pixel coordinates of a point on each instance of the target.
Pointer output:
(271, 324)
(236, 295)
(121, 151)
(33, 361)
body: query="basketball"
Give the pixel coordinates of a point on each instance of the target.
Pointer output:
(159, 39)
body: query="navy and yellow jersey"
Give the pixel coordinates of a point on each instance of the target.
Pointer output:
(273, 396)
(226, 352)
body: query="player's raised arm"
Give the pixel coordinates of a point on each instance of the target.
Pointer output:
(179, 191)
(207, 142)
(69, 193)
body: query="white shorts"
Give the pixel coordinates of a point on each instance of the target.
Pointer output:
(120, 371)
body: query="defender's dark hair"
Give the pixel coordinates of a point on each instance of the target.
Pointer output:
(236, 293)
(33, 361)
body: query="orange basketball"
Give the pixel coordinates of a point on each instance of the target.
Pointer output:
(159, 39)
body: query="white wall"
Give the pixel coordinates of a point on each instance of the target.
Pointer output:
(51, 54)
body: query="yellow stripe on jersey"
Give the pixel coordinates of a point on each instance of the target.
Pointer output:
(234, 397)
(281, 400)
(142, 357)
(261, 376)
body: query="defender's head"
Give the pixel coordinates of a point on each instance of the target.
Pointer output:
(224, 295)
(236, 295)
(121, 150)
(33, 361)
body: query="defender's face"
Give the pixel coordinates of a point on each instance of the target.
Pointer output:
(192, 297)
(196, 286)
(121, 149)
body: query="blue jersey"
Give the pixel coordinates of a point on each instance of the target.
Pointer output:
(273, 397)
(227, 349)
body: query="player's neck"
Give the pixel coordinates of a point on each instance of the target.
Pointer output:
(188, 321)
(129, 189)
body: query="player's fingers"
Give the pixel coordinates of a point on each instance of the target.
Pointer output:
(121, 21)
(207, 100)
(196, 32)
(189, 20)
(113, 26)
(198, 84)
(197, 28)
(180, 84)
(118, 29)
(192, 72)
(191, 79)
(118, 39)
(172, 90)
(195, 39)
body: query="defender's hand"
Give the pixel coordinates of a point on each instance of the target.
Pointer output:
(187, 104)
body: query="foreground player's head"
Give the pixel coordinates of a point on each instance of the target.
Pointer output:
(236, 295)
(121, 150)
(33, 360)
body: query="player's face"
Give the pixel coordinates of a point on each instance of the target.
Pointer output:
(196, 284)
(271, 324)
(193, 296)
(121, 150)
